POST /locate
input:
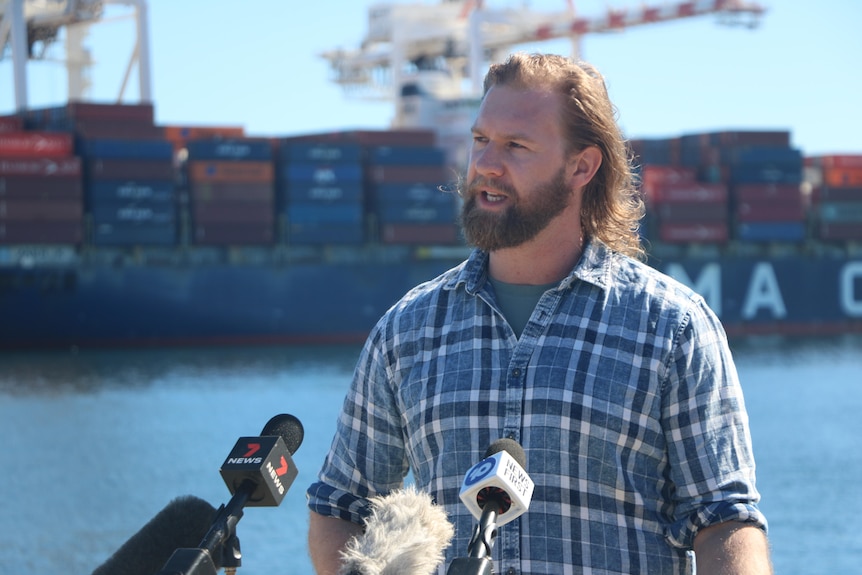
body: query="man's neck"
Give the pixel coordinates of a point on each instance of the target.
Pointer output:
(536, 262)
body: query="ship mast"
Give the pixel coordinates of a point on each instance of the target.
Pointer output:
(29, 27)
(430, 58)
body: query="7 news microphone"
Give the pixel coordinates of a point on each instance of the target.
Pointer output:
(258, 472)
(496, 490)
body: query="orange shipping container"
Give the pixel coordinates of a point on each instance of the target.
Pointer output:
(842, 177)
(200, 171)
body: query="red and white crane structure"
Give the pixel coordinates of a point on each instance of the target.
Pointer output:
(430, 58)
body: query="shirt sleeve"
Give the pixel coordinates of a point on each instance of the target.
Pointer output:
(367, 456)
(706, 426)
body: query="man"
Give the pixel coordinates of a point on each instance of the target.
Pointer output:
(616, 380)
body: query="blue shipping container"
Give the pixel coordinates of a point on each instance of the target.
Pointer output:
(107, 190)
(771, 231)
(306, 153)
(108, 234)
(406, 156)
(230, 149)
(417, 194)
(346, 213)
(310, 192)
(322, 173)
(324, 233)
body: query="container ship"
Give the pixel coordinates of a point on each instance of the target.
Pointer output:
(119, 231)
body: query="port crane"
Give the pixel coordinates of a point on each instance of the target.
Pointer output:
(29, 27)
(430, 58)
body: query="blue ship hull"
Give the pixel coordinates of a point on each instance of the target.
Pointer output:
(211, 303)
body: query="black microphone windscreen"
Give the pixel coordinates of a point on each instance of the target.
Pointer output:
(183, 523)
(510, 446)
(289, 428)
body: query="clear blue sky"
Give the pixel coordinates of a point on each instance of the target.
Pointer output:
(256, 65)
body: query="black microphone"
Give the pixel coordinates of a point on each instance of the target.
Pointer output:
(258, 472)
(182, 523)
(496, 490)
(406, 533)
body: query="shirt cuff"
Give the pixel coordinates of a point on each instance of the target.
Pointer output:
(331, 502)
(681, 534)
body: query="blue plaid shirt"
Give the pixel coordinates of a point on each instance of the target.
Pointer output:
(621, 389)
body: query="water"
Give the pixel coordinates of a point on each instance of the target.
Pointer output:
(96, 443)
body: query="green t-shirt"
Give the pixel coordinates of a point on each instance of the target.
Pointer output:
(517, 301)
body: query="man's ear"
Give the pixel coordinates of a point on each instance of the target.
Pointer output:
(584, 165)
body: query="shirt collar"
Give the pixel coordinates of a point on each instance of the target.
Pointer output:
(594, 267)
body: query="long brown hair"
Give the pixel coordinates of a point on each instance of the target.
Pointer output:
(611, 207)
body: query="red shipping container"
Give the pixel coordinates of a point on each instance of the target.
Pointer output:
(35, 210)
(767, 192)
(689, 192)
(708, 233)
(182, 134)
(416, 137)
(45, 167)
(653, 177)
(826, 194)
(41, 232)
(420, 234)
(11, 124)
(232, 191)
(835, 161)
(692, 212)
(36, 187)
(778, 138)
(233, 234)
(244, 212)
(770, 211)
(410, 175)
(113, 130)
(143, 113)
(207, 171)
(840, 231)
(36, 144)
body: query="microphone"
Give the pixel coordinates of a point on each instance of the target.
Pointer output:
(405, 533)
(496, 490)
(258, 472)
(182, 523)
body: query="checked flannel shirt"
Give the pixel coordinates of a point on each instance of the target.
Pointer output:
(621, 390)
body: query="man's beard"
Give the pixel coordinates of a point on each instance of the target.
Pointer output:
(520, 222)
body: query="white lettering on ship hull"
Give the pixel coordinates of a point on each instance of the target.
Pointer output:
(851, 302)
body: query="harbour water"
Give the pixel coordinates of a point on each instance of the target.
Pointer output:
(95, 443)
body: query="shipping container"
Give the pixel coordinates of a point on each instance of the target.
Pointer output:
(140, 234)
(311, 192)
(437, 175)
(226, 171)
(41, 232)
(826, 193)
(405, 137)
(406, 213)
(335, 212)
(688, 212)
(842, 177)
(145, 212)
(239, 149)
(839, 231)
(322, 152)
(232, 191)
(45, 167)
(150, 150)
(770, 211)
(791, 193)
(129, 169)
(406, 156)
(36, 187)
(324, 233)
(233, 234)
(840, 161)
(707, 232)
(30, 210)
(688, 192)
(322, 173)
(840, 212)
(226, 211)
(36, 145)
(779, 231)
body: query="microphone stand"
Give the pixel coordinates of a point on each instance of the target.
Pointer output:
(478, 561)
(220, 543)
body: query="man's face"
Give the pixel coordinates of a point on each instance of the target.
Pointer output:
(517, 180)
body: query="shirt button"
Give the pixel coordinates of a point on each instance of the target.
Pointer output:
(516, 372)
(511, 571)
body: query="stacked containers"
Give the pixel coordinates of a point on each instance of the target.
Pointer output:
(403, 180)
(232, 191)
(321, 194)
(836, 196)
(131, 192)
(683, 205)
(683, 209)
(129, 178)
(763, 173)
(41, 190)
